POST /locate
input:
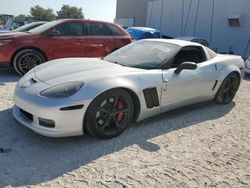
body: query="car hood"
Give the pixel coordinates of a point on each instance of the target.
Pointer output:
(10, 34)
(73, 69)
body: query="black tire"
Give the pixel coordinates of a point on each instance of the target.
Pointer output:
(228, 89)
(27, 59)
(109, 114)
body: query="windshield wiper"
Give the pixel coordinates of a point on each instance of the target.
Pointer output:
(119, 64)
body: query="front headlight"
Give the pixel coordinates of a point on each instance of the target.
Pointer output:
(63, 90)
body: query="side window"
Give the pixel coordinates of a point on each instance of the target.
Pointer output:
(71, 29)
(98, 29)
(113, 30)
(189, 54)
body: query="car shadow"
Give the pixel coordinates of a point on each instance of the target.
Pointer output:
(30, 159)
(8, 76)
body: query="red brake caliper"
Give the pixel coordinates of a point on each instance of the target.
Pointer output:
(119, 106)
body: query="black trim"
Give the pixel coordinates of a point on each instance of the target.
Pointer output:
(215, 84)
(151, 97)
(26, 114)
(46, 123)
(76, 107)
(216, 68)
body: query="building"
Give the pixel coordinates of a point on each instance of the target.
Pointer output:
(131, 13)
(225, 24)
(5, 17)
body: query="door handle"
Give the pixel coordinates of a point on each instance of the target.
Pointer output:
(165, 80)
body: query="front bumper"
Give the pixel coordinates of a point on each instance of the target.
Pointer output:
(67, 123)
(5, 54)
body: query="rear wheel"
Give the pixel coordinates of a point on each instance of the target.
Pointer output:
(109, 114)
(228, 89)
(27, 59)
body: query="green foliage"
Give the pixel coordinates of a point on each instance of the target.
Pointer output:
(68, 11)
(20, 17)
(41, 14)
(38, 13)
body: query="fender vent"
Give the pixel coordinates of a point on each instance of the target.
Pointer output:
(215, 84)
(151, 97)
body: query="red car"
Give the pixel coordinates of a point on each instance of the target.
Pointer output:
(60, 39)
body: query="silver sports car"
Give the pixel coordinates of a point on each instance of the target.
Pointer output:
(66, 97)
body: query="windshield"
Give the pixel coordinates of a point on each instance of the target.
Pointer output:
(143, 54)
(45, 27)
(27, 27)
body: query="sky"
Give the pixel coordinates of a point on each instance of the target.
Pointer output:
(93, 9)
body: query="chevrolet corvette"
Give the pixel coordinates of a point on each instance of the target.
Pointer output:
(71, 96)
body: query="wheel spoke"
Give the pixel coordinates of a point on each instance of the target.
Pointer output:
(106, 123)
(117, 124)
(125, 110)
(35, 60)
(115, 103)
(27, 59)
(104, 110)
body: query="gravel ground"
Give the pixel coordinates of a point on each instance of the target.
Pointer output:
(205, 145)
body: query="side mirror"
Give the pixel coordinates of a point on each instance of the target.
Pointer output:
(186, 66)
(54, 33)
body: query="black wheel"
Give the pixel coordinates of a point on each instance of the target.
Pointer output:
(27, 59)
(228, 89)
(109, 114)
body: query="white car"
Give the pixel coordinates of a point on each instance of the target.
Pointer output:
(247, 66)
(66, 97)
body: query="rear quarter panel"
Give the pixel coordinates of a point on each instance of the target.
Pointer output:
(227, 64)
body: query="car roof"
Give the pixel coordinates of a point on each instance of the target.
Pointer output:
(177, 42)
(38, 22)
(86, 20)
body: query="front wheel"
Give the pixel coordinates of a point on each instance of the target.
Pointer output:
(27, 59)
(109, 114)
(228, 89)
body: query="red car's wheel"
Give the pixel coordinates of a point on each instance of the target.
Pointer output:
(27, 59)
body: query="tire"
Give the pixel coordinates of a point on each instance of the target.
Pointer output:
(109, 114)
(228, 89)
(27, 59)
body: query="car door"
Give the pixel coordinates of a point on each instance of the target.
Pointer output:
(69, 42)
(100, 40)
(189, 85)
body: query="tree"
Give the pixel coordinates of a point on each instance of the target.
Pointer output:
(21, 17)
(68, 11)
(41, 14)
